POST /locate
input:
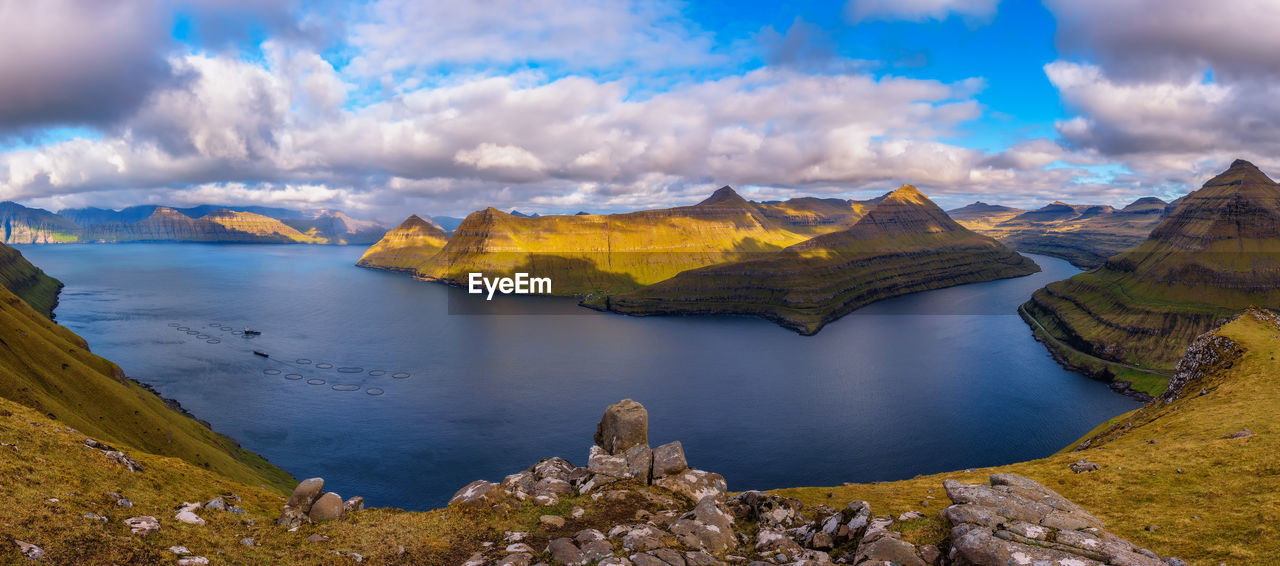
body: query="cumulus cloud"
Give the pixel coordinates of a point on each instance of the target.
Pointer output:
(1173, 90)
(921, 10)
(78, 61)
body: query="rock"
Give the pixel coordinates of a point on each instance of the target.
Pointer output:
(216, 503)
(890, 550)
(519, 547)
(307, 492)
(317, 538)
(639, 462)
(820, 540)
(647, 560)
(247, 541)
(767, 509)
(624, 424)
(119, 500)
(180, 550)
(291, 517)
(192, 561)
(668, 459)
(910, 515)
(565, 552)
(517, 559)
(31, 551)
(601, 463)
(143, 525)
(1081, 466)
(931, 554)
(1246, 433)
(95, 517)
(327, 508)
(551, 521)
(669, 557)
(596, 550)
(352, 505)
(699, 558)
(694, 484)
(480, 493)
(188, 518)
(577, 512)
(1018, 521)
(775, 541)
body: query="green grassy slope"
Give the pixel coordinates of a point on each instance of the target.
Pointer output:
(903, 245)
(28, 281)
(49, 368)
(1213, 256)
(406, 247)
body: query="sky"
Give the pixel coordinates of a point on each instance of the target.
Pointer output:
(384, 108)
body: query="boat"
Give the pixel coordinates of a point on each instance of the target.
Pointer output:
(260, 353)
(251, 332)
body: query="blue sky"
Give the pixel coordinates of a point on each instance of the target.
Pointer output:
(384, 108)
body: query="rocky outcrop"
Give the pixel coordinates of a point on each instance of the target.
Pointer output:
(1018, 521)
(1210, 352)
(310, 503)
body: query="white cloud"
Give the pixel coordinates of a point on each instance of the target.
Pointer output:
(921, 10)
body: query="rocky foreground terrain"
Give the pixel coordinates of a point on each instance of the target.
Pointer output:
(685, 517)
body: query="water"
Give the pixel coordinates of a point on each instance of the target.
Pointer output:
(924, 383)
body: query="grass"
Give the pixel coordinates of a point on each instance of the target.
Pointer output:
(27, 281)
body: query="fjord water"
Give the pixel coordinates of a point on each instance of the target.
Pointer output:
(930, 382)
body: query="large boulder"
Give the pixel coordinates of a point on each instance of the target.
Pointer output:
(480, 493)
(327, 508)
(307, 492)
(694, 484)
(624, 424)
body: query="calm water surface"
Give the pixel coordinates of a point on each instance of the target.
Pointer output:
(930, 382)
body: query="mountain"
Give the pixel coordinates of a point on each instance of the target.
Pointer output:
(204, 223)
(904, 244)
(338, 228)
(809, 215)
(169, 225)
(448, 223)
(89, 216)
(1217, 253)
(982, 215)
(1083, 234)
(23, 225)
(28, 282)
(406, 247)
(616, 252)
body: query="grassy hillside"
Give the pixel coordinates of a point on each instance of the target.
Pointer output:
(28, 282)
(48, 368)
(903, 245)
(1217, 253)
(585, 254)
(407, 247)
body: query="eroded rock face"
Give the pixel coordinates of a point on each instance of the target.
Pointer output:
(624, 424)
(1018, 521)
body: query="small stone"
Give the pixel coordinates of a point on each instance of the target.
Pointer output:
(143, 525)
(95, 517)
(1082, 466)
(189, 518)
(565, 552)
(517, 559)
(1246, 433)
(1151, 528)
(551, 521)
(577, 512)
(180, 550)
(317, 538)
(519, 547)
(909, 515)
(352, 505)
(192, 561)
(29, 550)
(120, 500)
(216, 503)
(247, 541)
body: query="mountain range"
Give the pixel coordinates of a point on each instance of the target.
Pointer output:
(1215, 254)
(205, 223)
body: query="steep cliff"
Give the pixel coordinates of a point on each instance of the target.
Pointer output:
(28, 281)
(1217, 253)
(23, 225)
(903, 245)
(169, 225)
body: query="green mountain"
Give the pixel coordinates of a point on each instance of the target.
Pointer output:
(586, 254)
(1214, 255)
(406, 247)
(23, 225)
(903, 245)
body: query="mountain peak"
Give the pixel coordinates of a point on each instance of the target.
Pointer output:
(907, 193)
(1241, 172)
(1242, 163)
(724, 195)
